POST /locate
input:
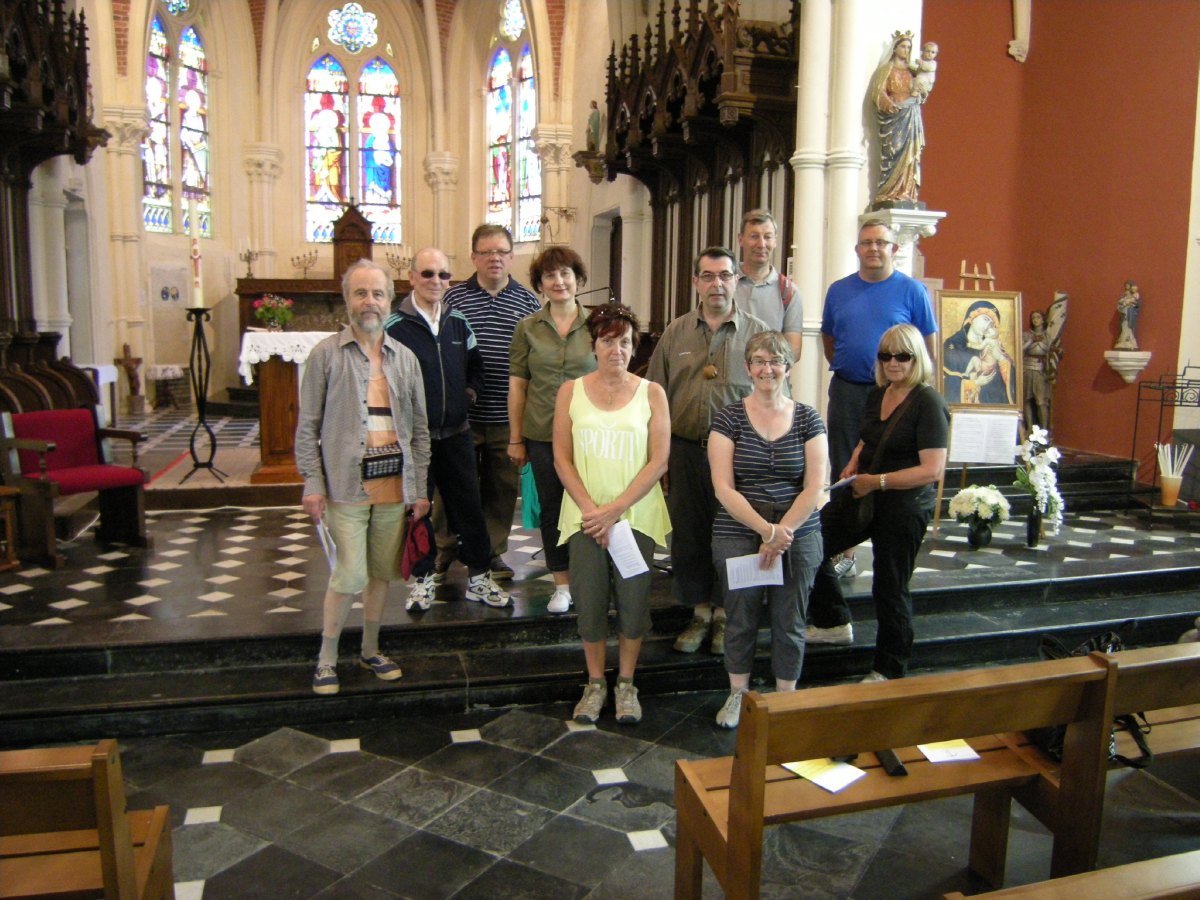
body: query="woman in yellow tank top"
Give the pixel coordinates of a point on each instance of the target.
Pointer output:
(612, 435)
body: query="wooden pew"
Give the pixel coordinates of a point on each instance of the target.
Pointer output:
(724, 804)
(1175, 876)
(65, 832)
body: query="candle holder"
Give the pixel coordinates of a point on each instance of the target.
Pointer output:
(305, 261)
(200, 361)
(248, 257)
(399, 262)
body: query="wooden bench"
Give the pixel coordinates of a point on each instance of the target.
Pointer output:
(65, 832)
(724, 804)
(1162, 682)
(1168, 876)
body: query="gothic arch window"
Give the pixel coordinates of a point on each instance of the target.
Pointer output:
(514, 173)
(367, 118)
(175, 159)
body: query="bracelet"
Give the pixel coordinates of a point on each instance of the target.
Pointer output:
(514, 443)
(771, 539)
(883, 482)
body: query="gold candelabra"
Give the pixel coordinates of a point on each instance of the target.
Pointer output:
(305, 261)
(248, 256)
(399, 262)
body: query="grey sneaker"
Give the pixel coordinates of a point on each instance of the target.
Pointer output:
(872, 677)
(423, 591)
(483, 589)
(325, 681)
(846, 567)
(730, 714)
(629, 710)
(838, 634)
(693, 636)
(717, 647)
(587, 710)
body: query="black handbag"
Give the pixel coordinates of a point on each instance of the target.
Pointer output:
(1050, 739)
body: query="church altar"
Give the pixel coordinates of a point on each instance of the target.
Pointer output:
(279, 357)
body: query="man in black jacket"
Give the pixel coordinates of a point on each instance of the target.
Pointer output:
(452, 369)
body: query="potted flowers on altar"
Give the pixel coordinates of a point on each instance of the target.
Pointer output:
(273, 311)
(1036, 474)
(980, 508)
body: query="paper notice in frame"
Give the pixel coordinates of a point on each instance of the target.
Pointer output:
(983, 437)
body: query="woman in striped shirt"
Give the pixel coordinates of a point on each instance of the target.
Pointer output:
(768, 456)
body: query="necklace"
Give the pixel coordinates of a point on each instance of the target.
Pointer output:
(612, 391)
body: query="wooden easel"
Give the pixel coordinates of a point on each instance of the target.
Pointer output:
(976, 276)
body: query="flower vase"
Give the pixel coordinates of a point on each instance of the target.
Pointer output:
(274, 326)
(979, 534)
(1033, 527)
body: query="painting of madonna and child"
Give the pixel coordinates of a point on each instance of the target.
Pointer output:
(981, 349)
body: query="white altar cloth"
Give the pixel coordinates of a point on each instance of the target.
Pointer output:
(259, 346)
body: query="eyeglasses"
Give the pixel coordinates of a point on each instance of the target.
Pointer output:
(775, 362)
(874, 245)
(898, 357)
(433, 273)
(491, 254)
(710, 277)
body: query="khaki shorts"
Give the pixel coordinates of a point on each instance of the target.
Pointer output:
(369, 539)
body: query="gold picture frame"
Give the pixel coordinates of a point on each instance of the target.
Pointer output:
(979, 355)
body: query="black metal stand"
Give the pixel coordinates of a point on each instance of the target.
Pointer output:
(200, 365)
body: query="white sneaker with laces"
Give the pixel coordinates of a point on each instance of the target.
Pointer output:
(560, 602)
(483, 589)
(838, 634)
(872, 677)
(588, 709)
(846, 567)
(730, 714)
(423, 591)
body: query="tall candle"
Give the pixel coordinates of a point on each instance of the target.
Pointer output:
(197, 282)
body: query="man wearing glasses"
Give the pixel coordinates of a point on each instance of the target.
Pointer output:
(452, 369)
(858, 310)
(699, 361)
(493, 302)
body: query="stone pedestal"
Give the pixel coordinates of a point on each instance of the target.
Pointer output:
(1127, 363)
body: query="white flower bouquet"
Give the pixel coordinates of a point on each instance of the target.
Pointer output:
(1036, 475)
(983, 504)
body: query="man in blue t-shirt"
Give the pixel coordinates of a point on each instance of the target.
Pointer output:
(858, 310)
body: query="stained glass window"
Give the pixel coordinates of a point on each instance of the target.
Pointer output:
(352, 28)
(156, 149)
(192, 96)
(177, 7)
(379, 159)
(514, 177)
(326, 112)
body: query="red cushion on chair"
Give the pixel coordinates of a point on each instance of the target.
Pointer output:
(94, 478)
(72, 430)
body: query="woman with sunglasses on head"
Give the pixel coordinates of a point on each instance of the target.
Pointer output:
(612, 437)
(899, 459)
(768, 455)
(549, 348)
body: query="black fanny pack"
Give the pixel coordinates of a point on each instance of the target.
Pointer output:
(382, 462)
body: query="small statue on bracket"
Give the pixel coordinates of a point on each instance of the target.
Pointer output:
(1128, 306)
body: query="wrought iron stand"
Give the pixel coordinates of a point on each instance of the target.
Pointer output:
(200, 366)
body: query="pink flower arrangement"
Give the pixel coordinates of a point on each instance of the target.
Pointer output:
(273, 311)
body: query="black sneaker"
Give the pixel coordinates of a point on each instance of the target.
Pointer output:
(500, 569)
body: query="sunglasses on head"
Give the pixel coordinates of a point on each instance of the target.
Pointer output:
(431, 273)
(898, 357)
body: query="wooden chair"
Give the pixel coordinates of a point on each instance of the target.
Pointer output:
(65, 832)
(57, 453)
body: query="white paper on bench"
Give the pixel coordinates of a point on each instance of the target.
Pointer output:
(833, 776)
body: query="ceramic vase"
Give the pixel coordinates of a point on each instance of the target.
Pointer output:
(1033, 528)
(979, 534)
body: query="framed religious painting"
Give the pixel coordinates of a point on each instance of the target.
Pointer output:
(979, 361)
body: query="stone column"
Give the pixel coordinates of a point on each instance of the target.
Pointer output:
(441, 174)
(48, 259)
(261, 163)
(127, 125)
(553, 144)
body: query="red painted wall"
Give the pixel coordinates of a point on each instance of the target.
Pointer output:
(1070, 171)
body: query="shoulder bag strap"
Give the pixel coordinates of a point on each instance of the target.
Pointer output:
(897, 415)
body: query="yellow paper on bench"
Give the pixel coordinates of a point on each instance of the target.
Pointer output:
(956, 750)
(833, 776)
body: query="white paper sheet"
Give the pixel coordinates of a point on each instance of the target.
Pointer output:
(744, 572)
(989, 437)
(833, 776)
(624, 550)
(845, 481)
(957, 750)
(327, 544)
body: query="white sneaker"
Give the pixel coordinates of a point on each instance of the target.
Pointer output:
(872, 677)
(846, 567)
(588, 709)
(560, 602)
(483, 589)
(730, 714)
(838, 634)
(423, 591)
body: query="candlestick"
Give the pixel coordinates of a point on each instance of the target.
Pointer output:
(248, 258)
(305, 261)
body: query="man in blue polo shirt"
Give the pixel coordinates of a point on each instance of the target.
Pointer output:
(493, 303)
(858, 310)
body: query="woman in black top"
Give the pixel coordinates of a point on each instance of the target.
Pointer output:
(902, 481)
